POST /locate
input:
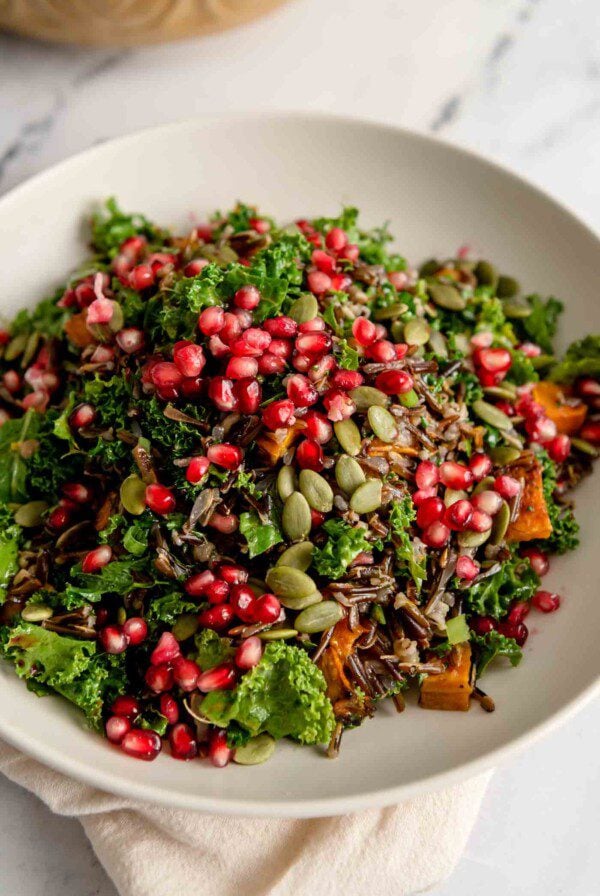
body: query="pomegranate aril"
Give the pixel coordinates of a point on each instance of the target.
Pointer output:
(316, 325)
(559, 448)
(220, 678)
(538, 559)
(166, 650)
(126, 706)
(319, 370)
(516, 630)
(195, 266)
(488, 501)
(316, 518)
(225, 455)
(481, 625)
(313, 344)
(430, 511)
(507, 486)
(231, 329)
(302, 363)
(494, 360)
(350, 252)
(159, 678)
(241, 368)
(323, 261)
(381, 351)
(249, 395)
(218, 752)
(279, 414)
(427, 474)
(248, 654)
(113, 639)
(12, 381)
(466, 568)
(301, 391)
(459, 515)
(197, 584)
(217, 591)
(590, 431)
(282, 348)
(436, 535)
(232, 574)
(101, 312)
(309, 455)
(242, 600)
(96, 559)
(211, 320)
(364, 331)
(141, 277)
(336, 239)
(133, 247)
(483, 339)
(217, 617)
(318, 427)
(182, 742)
(221, 393)
(422, 494)
(394, 382)
(136, 630)
(160, 499)
(530, 349)
(83, 415)
(266, 609)
(347, 379)
(165, 374)
(546, 601)
(455, 476)
(271, 365)
(189, 358)
(192, 387)
(281, 327)
(142, 743)
(116, 728)
(588, 388)
(338, 404)
(169, 708)
(518, 611)
(197, 469)
(318, 282)
(480, 521)
(130, 340)
(247, 298)
(186, 673)
(480, 466)
(541, 429)
(224, 522)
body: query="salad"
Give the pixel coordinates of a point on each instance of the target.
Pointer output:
(256, 479)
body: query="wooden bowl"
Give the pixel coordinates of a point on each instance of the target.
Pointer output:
(126, 23)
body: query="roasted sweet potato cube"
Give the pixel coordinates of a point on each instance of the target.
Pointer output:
(533, 520)
(451, 689)
(275, 444)
(567, 412)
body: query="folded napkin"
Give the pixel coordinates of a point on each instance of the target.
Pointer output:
(149, 850)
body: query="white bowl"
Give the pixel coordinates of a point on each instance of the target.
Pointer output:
(436, 198)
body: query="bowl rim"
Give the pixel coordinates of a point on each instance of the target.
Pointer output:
(117, 784)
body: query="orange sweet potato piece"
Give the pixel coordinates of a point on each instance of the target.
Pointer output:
(567, 412)
(334, 659)
(450, 690)
(77, 331)
(533, 520)
(275, 444)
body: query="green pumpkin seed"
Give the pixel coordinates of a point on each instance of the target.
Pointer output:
(316, 490)
(451, 496)
(258, 586)
(397, 331)
(300, 603)
(491, 414)
(500, 524)
(417, 332)
(486, 274)
(305, 308)
(15, 347)
(285, 581)
(438, 344)
(256, 750)
(36, 613)
(501, 392)
(318, 618)
(31, 514)
(367, 497)
(471, 539)
(462, 344)
(299, 556)
(277, 634)
(516, 310)
(542, 361)
(507, 287)
(484, 484)
(30, 349)
(296, 519)
(348, 435)
(185, 626)
(502, 455)
(349, 474)
(382, 423)
(133, 495)
(584, 447)
(287, 482)
(429, 267)
(409, 399)
(445, 296)
(390, 311)
(365, 397)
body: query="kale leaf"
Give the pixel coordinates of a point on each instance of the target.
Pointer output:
(212, 650)
(13, 466)
(345, 542)
(260, 536)
(514, 581)
(111, 226)
(581, 359)
(565, 528)
(411, 561)
(541, 324)
(492, 644)
(10, 538)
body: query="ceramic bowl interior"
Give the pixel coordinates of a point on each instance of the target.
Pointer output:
(436, 198)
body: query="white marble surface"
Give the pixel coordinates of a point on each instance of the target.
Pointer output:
(516, 79)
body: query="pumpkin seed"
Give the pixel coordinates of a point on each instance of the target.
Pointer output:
(409, 399)
(486, 273)
(417, 332)
(30, 349)
(295, 519)
(365, 397)
(501, 392)
(15, 347)
(349, 474)
(367, 497)
(445, 296)
(507, 287)
(133, 495)
(285, 581)
(316, 490)
(461, 343)
(584, 447)
(348, 435)
(390, 311)
(438, 344)
(484, 484)
(31, 514)
(36, 613)
(319, 617)
(542, 361)
(300, 603)
(185, 626)
(451, 496)
(397, 330)
(429, 267)
(121, 616)
(299, 556)
(256, 750)
(502, 455)
(500, 524)
(491, 414)
(305, 308)
(471, 539)
(287, 482)
(516, 310)
(277, 634)
(382, 423)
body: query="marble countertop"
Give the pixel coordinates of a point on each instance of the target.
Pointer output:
(517, 80)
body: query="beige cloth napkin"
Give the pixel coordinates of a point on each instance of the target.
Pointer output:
(149, 850)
